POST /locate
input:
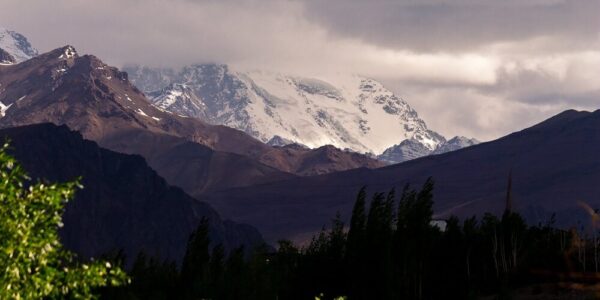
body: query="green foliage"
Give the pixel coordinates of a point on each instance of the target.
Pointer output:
(33, 263)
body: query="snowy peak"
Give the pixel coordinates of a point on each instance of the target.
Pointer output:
(16, 46)
(278, 141)
(407, 150)
(68, 52)
(455, 143)
(346, 111)
(411, 149)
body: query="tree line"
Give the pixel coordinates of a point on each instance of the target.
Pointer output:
(391, 249)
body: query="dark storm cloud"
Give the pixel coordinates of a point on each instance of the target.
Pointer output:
(456, 25)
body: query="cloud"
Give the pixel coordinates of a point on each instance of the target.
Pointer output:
(480, 68)
(456, 25)
(467, 111)
(158, 32)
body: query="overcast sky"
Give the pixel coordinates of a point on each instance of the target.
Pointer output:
(479, 68)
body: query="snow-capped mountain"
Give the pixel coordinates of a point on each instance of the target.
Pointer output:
(278, 141)
(16, 46)
(347, 111)
(406, 150)
(411, 149)
(455, 143)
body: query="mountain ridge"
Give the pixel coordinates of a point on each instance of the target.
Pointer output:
(469, 181)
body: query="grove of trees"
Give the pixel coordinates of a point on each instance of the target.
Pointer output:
(391, 249)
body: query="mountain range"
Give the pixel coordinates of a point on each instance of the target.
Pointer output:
(97, 101)
(347, 111)
(277, 182)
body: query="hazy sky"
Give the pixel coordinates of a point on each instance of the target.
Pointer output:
(479, 68)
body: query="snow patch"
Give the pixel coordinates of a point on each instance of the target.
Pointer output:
(68, 53)
(3, 109)
(141, 112)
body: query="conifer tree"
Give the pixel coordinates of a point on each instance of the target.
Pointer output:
(379, 239)
(402, 242)
(286, 266)
(216, 270)
(358, 221)
(235, 276)
(355, 247)
(195, 262)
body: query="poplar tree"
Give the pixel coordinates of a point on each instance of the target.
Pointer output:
(33, 262)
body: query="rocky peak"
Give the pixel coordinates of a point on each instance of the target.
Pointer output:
(455, 143)
(406, 150)
(278, 141)
(68, 52)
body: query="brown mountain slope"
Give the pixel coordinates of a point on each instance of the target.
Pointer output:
(98, 101)
(87, 95)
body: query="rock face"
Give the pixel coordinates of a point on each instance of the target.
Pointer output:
(6, 58)
(348, 112)
(16, 46)
(468, 182)
(124, 204)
